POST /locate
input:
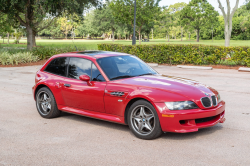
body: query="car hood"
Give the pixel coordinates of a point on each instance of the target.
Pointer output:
(185, 87)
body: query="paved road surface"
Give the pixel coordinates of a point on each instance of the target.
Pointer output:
(28, 139)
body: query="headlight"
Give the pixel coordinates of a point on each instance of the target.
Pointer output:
(181, 105)
(218, 98)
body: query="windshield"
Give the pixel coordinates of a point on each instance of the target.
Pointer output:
(118, 67)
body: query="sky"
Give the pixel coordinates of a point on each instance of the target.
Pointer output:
(212, 2)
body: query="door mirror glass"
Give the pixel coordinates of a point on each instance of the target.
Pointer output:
(84, 78)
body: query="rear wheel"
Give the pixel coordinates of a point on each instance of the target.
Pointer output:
(46, 104)
(143, 120)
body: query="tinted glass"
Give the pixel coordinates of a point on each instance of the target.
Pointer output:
(79, 66)
(57, 66)
(96, 75)
(119, 66)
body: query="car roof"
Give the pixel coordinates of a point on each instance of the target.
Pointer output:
(92, 54)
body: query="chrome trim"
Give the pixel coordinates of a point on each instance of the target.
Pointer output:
(117, 93)
(210, 101)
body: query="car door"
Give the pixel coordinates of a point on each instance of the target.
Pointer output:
(77, 93)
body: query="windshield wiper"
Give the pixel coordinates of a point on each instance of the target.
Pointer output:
(124, 76)
(146, 74)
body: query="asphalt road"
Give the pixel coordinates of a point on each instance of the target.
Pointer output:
(28, 139)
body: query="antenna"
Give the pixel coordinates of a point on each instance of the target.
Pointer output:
(74, 42)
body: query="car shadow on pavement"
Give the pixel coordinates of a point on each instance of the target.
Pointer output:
(93, 121)
(125, 128)
(200, 132)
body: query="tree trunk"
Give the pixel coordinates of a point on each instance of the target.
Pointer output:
(15, 35)
(228, 20)
(8, 36)
(152, 34)
(212, 35)
(140, 35)
(227, 34)
(168, 37)
(198, 35)
(175, 36)
(29, 37)
(113, 35)
(189, 36)
(181, 33)
(227, 39)
(34, 38)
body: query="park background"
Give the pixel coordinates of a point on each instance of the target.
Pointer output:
(85, 24)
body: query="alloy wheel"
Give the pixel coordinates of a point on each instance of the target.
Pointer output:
(44, 103)
(143, 120)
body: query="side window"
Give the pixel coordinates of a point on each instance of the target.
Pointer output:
(57, 66)
(96, 75)
(79, 66)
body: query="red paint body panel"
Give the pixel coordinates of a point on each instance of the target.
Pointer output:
(108, 100)
(83, 96)
(172, 124)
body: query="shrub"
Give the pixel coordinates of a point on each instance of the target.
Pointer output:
(21, 57)
(47, 52)
(183, 54)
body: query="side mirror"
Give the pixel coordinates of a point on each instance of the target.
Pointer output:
(85, 78)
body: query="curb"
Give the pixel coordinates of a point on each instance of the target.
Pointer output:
(195, 67)
(244, 69)
(153, 64)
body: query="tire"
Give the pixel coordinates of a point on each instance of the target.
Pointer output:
(46, 104)
(143, 120)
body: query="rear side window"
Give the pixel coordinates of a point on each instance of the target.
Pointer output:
(79, 66)
(57, 66)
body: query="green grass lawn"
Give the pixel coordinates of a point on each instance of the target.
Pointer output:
(92, 44)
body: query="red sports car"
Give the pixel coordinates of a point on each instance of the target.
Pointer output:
(121, 88)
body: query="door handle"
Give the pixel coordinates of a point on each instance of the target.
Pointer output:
(67, 85)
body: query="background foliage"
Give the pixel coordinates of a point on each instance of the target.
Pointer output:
(184, 54)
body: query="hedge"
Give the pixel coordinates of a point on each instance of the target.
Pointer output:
(14, 59)
(47, 52)
(184, 54)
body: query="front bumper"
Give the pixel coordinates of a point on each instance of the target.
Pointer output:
(183, 121)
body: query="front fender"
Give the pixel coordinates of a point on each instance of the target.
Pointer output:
(155, 95)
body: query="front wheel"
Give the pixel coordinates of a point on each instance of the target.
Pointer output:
(143, 120)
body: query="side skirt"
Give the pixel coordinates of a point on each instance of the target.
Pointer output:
(93, 114)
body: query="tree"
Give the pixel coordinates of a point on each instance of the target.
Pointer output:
(31, 13)
(175, 11)
(198, 14)
(87, 25)
(105, 21)
(5, 26)
(146, 11)
(165, 22)
(65, 26)
(228, 20)
(52, 30)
